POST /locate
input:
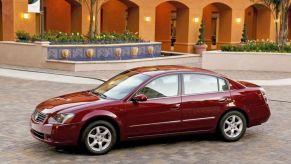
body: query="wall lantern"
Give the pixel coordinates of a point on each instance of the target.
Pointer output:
(147, 19)
(238, 20)
(25, 16)
(196, 20)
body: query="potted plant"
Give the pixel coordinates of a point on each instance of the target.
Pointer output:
(244, 37)
(200, 46)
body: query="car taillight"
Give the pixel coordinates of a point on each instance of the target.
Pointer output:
(263, 91)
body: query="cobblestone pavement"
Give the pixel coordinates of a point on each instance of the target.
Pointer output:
(268, 143)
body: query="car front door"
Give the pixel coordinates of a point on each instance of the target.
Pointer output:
(204, 98)
(160, 113)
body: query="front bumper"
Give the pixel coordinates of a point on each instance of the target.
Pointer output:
(57, 135)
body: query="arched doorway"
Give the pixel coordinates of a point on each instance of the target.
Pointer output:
(258, 20)
(1, 22)
(119, 16)
(172, 20)
(218, 20)
(62, 15)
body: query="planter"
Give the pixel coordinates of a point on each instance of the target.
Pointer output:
(247, 61)
(199, 49)
(89, 57)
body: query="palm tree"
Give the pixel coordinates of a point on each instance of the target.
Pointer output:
(279, 10)
(283, 32)
(94, 7)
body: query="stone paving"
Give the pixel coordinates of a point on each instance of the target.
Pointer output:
(268, 143)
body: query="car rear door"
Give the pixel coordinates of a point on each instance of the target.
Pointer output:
(204, 99)
(160, 113)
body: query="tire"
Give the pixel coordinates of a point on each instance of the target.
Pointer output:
(232, 126)
(99, 137)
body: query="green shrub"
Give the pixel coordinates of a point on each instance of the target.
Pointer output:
(59, 37)
(244, 36)
(22, 36)
(103, 38)
(253, 46)
(111, 38)
(201, 37)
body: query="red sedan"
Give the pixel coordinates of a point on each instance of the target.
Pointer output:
(149, 102)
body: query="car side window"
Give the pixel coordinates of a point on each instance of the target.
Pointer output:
(199, 83)
(166, 86)
(223, 85)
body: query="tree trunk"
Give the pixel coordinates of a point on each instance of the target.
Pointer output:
(277, 27)
(91, 33)
(98, 9)
(97, 17)
(91, 25)
(283, 33)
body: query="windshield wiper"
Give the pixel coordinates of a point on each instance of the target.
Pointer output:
(99, 94)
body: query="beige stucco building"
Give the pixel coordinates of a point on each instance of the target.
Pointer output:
(174, 23)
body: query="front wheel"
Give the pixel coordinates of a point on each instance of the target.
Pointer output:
(99, 137)
(232, 126)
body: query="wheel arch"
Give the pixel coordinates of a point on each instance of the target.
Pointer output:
(106, 118)
(234, 109)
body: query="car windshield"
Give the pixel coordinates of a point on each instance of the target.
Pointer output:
(121, 85)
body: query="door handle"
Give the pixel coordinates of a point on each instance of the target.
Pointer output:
(176, 107)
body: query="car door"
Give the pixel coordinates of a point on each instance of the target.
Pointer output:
(160, 113)
(204, 99)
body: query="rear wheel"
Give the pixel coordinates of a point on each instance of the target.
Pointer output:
(232, 126)
(99, 137)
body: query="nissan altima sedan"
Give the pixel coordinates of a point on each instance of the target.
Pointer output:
(149, 102)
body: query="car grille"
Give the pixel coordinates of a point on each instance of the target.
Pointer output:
(37, 134)
(38, 116)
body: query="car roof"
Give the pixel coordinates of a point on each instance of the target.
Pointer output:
(162, 69)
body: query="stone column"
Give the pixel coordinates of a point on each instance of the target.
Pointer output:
(195, 18)
(237, 24)
(8, 20)
(147, 22)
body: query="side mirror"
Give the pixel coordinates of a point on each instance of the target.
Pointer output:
(139, 98)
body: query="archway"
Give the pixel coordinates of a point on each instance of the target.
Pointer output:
(62, 15)
(1, 22)
(218, 21)
(119, 16)
(258, 20)
(172, 20)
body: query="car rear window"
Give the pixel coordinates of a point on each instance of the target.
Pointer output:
(200, 83)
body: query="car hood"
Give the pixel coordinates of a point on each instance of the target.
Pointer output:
(68, 101)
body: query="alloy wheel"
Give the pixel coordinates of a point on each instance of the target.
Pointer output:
(99, 138)
(233, 126)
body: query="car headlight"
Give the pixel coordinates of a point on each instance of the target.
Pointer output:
(61, 118)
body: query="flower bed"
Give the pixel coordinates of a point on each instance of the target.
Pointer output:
(253, 46)
(103, 47)
(61, 38)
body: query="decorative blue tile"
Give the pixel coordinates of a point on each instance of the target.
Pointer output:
(104, 53)
(53, 53)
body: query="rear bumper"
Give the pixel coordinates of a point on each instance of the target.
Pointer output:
(56, 134)
(260, 115)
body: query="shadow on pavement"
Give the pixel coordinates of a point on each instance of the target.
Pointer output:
(147, 142)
